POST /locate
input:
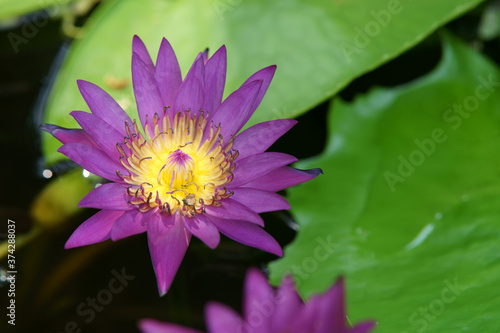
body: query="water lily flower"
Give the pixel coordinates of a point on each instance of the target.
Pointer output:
(183, 169)
(273, 311)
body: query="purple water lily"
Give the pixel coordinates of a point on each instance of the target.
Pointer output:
(268, 311)
(187, 172)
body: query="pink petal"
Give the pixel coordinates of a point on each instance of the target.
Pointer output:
(258, 200)
(101, 132)
(155, 326)
(248, 234)
(259, 303)
(93, 159)
(231, 209)
(259, 137)
(146, 93)
(258, 165)
(104, 106)
(215, 79)
(94, 230)
(220, 319)
(168, 241)
(128, 224)
(110, 196)
(191, 93)
(283, 178)
(202, 228)
(69, 135)
(236, 109)
(140, 49)
(265, 75)
(289, 305)
(167, 74)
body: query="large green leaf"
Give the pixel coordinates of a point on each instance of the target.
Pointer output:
(16, 8)
(319, 46)
(409, 206)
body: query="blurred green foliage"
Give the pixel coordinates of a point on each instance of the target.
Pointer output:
(12, 9)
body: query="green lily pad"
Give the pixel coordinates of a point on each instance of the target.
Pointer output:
(15, 8)
(409, 206)
(319, 46)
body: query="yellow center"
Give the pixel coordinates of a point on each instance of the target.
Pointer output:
(181, 168)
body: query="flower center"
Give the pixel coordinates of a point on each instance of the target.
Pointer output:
(184, 167)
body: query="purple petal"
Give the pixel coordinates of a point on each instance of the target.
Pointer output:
(140, 49)
(259, 303)
(202, 228)
(258, 165)
(110, 196)
(235, 111)
(127, 225)
(260, 201)
(104, 106)
(69, 135)
(155, 326)
(305, 320)
(265, 75)
(259, 137)
(289, 305)
(283, 178)
(330, 316)
(363, 327)
(101, 132)
(248, 234)
(94, 230)
(168, 241)
(215, 79)
(192, 90)
(146, 93)
(167, 74)
(220, 319)
(93, 159)
(231, 209)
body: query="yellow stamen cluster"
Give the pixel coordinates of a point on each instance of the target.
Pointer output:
(181, 168)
